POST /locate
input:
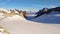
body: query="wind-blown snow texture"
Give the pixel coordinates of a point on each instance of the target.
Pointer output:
(51, 18)
(19, 25)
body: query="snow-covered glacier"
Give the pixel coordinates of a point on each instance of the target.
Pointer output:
(19, 25)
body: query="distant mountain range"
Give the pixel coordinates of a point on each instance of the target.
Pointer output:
(55, 9)
(47, 11)
(39, 13)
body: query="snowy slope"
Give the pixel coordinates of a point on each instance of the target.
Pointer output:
(51, 18)
(18, 25)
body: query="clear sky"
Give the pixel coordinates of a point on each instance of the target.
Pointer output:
(28, 4)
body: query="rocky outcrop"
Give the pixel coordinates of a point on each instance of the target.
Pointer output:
(13, 12)
(47, 11)
(43, 11)
(55, 9)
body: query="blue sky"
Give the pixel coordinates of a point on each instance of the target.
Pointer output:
(28, 4)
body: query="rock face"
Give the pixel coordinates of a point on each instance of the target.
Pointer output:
(10, 13)
(47, 11)
(43, 11)
(21, 13)
(55, 9)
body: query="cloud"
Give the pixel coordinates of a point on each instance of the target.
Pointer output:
(36, 5)
(52, 6)
(44, 6)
